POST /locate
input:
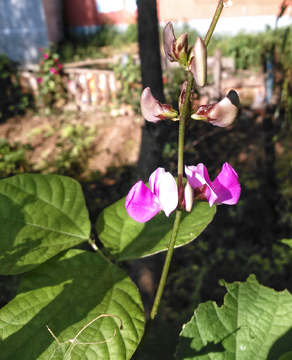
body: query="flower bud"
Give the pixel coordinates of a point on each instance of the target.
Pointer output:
(188, 197)
(153, 110)
(198, 62)
(222, 114)
(175, 49)
(182, 96)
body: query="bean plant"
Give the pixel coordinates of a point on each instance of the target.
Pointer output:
(78, 304)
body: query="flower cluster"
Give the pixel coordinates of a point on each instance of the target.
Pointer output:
(50, 79)
(142, 203)
(49, 63)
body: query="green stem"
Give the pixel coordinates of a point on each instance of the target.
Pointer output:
(214, 22)
(162, 278)
(166, 266)
(181, 131)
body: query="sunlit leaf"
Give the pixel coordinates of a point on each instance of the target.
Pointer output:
(40, 215)
(287, 242)
(66, 293)
(255, 323)
(128, 239)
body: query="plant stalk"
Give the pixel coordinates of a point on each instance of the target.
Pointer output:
(181, 131)
(165, 267)
(214, 22)
(178, 215)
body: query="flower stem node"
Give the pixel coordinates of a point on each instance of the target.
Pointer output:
(153, 110)
(143, 203)
(175, 49)
(225, 189)
(198, 62)
(221, 114)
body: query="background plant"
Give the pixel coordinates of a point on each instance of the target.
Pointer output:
(13, 100)
(128, 74)
(50, 79)
(13, 158)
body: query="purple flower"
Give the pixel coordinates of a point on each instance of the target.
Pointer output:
(225, 189)
(143, 203)
(175, 49)
(153, 110)
(221, 114)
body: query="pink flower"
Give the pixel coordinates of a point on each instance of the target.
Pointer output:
(45, 56)
(153, 110)
(221, 114)
(53, 71)
(59, 66)
(39, 80)
(143, 203)
(225, 189)
(175, 49)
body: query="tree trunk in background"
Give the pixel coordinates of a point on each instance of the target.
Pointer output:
(153, 135)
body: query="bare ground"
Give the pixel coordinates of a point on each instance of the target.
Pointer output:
(116, 141)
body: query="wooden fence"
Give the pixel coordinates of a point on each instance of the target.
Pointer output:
(91, 87)
(86, 87)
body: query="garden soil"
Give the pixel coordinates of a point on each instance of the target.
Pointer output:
(116, 139)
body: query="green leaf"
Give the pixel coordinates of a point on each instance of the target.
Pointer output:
(128, 239)
(40, 216)
(66, 293)
(255, 323)
(287, 242)
(287, 356)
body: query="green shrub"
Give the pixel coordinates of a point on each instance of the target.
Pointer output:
(12, 158)
(13, 101)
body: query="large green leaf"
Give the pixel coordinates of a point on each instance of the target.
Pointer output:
(255, 323)
(40, 215)
(128, 239)
(66, 293)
